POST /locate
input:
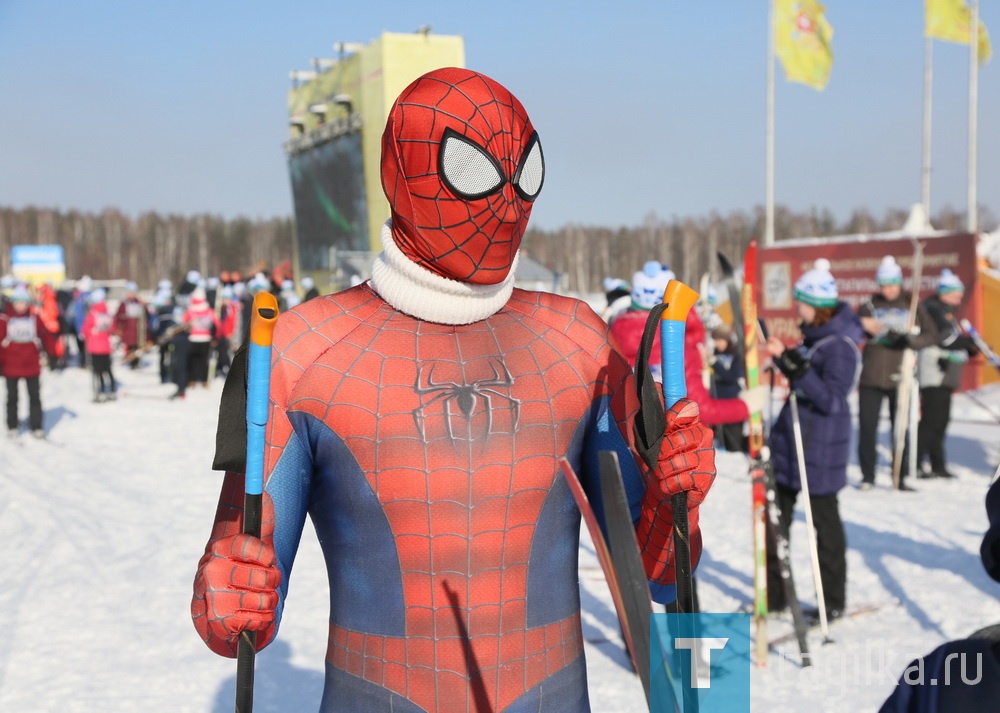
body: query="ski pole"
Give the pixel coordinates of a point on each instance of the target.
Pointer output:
(262, 319)
(811, 531)
(679, 299)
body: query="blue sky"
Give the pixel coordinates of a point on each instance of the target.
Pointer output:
(642, 107)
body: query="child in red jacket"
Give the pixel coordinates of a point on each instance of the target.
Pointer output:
(97, 329)
(23, 335)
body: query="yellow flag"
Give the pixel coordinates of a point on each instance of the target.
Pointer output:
(949, 20)
(802, 41)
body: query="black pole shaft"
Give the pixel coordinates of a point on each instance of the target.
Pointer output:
(247, 650)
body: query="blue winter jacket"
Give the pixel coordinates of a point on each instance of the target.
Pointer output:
(822, 391)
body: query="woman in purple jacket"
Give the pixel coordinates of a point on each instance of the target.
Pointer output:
(823, 370)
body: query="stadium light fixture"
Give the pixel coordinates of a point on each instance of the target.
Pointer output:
(301, 75)
(321, 64)
(346, 48)
(344, 100)
(320, 111)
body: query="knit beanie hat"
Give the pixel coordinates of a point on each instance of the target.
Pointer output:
(98, 296)
(889, 272)
(131, 287)
(307, 283)
(949, 282)
(723, 332)
(198, 297)
(20, 294)
(649, 283)
(817, 287)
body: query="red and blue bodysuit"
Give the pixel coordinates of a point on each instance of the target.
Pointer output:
(418, 420)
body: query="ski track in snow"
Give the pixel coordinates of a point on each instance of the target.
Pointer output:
(104, 525)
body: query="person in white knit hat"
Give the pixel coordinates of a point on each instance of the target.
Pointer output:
(940, 373)
(884, 317)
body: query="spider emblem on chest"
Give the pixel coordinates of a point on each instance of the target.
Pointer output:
(462, 404)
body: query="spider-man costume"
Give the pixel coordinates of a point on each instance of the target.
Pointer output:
(418, 421)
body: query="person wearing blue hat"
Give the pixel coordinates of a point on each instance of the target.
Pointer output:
(940, 373)
(884, 317)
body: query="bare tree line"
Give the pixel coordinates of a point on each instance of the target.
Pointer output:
(585, 255)
(151, 247)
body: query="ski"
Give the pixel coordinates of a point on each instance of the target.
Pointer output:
(813, 626)
(981, 344)
(758, 456)
(733, 290)
(907, 372)
(164, 338)
(629, 614)
(784, 553)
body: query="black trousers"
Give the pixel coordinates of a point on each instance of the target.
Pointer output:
(223, 360)
(831, 546)
(180, 348)
(731, 436)
(103, 377)
(198, 354)
(935, 413)
(869, 407)
(34, 402)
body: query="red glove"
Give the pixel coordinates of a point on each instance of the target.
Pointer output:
(236, 587)
(686, 463)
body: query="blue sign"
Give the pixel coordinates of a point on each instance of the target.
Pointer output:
(36, 255)
(699, 662)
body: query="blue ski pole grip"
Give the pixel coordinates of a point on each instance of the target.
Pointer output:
(262, 319)
(679, 299)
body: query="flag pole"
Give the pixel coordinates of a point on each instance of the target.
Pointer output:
(769, 200)
(925, 188)
(973, 217)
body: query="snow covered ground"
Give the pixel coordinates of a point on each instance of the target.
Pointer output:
(103, 526)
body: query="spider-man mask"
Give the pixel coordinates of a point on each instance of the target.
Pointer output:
(461, 166)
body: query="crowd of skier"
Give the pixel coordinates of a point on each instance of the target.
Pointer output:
(194, 328)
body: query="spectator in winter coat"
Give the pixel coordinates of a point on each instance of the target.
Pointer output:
(617, 295)
(940, 373)
(23, 336)
(81, 305)
(229, 320)
(191, 282)
(961, 675)
(310, 287)
(97, 329)
(823, 371)
(647, 291)
(204, 329)
(132, 322)
(884, 319)
(727, 383)
(288, 297)
(163, 303)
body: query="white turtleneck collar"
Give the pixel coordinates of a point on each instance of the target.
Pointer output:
(422, 294)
